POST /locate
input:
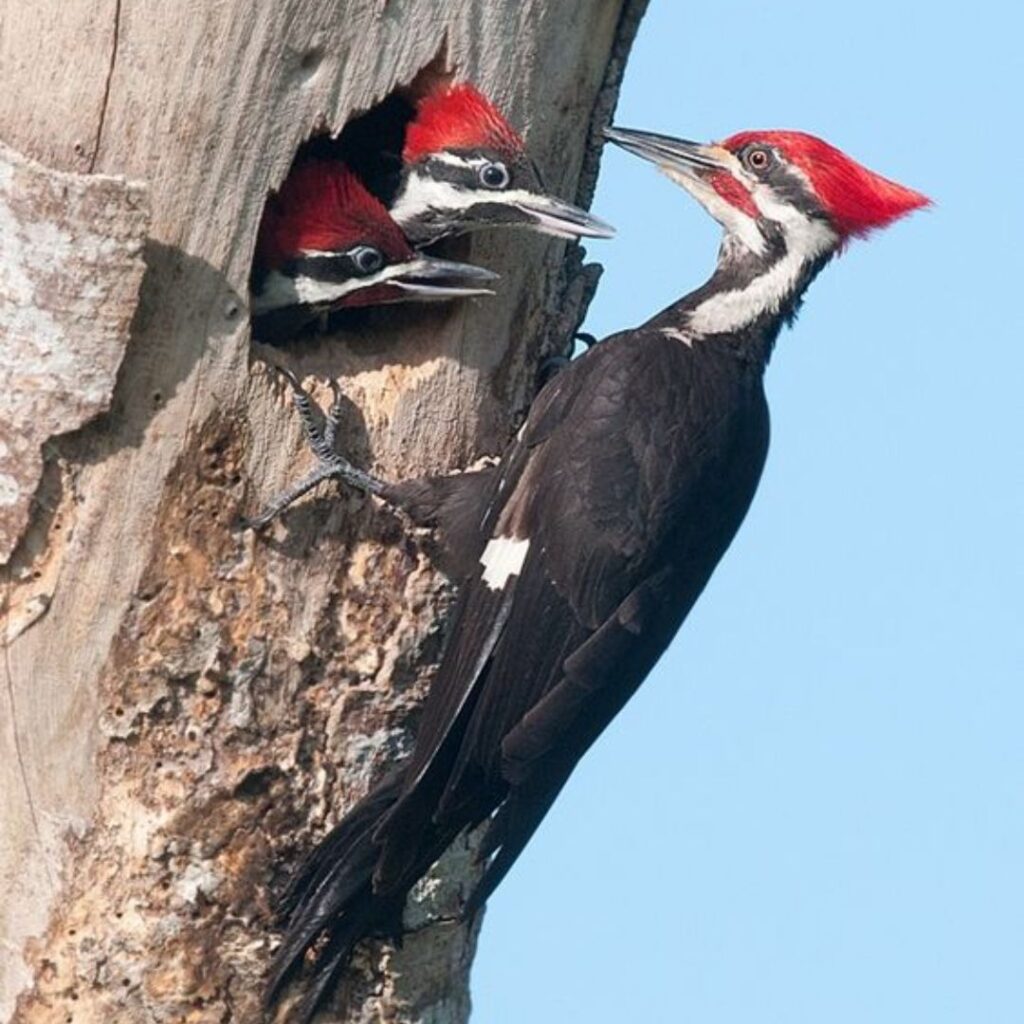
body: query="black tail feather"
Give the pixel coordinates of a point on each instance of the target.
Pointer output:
(337, 846)
(334, 958)
(332, 891)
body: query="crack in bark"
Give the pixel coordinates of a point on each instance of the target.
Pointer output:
(20, 758)
(106, 88)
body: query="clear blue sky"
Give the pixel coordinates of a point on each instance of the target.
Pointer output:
(813, 811)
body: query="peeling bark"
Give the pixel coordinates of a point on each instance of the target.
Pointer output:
(187, 707)
(70, 269)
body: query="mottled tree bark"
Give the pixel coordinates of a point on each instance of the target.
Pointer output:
(184, 706)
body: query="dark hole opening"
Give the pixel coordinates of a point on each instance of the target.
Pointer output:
(370, 145)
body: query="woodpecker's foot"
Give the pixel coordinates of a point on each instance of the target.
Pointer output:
(330, 464)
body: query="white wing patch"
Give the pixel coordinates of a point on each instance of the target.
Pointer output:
(503, 557)
(677, 335)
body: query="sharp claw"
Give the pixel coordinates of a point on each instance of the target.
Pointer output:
(331, 465)
(288, 375)
(333, 414)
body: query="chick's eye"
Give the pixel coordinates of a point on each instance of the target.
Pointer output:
(367, 259)
(759, 159)
(494, 175)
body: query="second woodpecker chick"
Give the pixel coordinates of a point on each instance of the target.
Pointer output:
(326, 244)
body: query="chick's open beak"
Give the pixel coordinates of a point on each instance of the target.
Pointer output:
(560, 219)
(427, 277)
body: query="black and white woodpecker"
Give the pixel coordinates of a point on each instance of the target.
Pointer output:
(325, 243)
(581, 552)
(464, 167)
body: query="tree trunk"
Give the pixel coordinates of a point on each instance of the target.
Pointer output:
(186, 707)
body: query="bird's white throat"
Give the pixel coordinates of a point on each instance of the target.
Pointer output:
(807, 240)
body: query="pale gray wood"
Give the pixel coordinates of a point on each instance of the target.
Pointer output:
(196, 704)
(70, 269)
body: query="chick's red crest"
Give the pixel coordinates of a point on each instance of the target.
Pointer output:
(323, 207)
(458, 117)
(858, 200)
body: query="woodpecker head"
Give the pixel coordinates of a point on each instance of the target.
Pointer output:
(325, 243)
(787, 201)
(464, 168)
(778, 187)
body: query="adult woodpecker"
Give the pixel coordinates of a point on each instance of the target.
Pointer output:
(581, 552)
(464, 167)
(325, 243)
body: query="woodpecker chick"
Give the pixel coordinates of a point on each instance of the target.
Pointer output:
(586, 546)
(466, 168)
(325, 244)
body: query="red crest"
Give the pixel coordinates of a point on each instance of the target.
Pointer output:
(323, 207)
(858, 200)
(458, 117)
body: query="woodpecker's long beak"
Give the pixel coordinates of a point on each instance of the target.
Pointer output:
(672, 154)
(427, 277)
(700, 170)
(553, 217)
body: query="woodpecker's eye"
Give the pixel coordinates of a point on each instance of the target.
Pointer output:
(367, 260)
(494, 175)
(759, 159)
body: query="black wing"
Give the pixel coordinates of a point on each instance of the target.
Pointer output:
(629, 479)
(601, 485)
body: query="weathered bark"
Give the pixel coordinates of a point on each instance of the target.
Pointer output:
(186, 706)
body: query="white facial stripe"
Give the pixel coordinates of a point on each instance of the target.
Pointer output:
(280, 290)
(423, 193)
(806, 240)
(774, 209)
(472, 163)
(314, 253)
(503, 557)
